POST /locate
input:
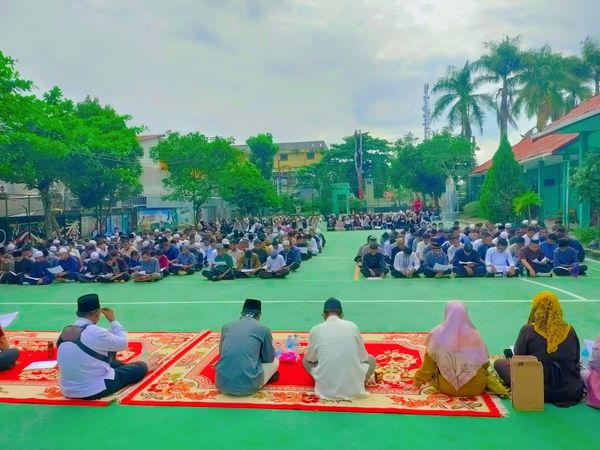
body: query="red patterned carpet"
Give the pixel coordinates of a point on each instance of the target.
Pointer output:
(188, 380)
(41, 386)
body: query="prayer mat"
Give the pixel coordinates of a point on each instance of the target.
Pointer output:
(41, 386)
(189, 380)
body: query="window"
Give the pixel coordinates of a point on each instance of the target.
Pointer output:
(549, 182)
(283, 157)
(310, 155)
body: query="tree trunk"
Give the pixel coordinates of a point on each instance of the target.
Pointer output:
(504, 108)
(44, 189)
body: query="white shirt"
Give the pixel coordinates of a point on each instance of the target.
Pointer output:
(477, 244)
(338, 348)
(452, 251)
(312, 246)
(275, 265)
(501, 260)
(404, 262)
(82, 375)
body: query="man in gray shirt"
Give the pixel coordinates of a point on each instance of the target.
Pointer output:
(149, 269)
(248, 360)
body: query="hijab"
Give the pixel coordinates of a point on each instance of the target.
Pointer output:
(456, 346)
(547, 319)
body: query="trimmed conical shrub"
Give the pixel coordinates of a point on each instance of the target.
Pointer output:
(503, 182)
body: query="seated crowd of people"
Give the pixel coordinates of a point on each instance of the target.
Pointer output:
(387, 221)
(456, 361)
(477, 250)
(269, 248)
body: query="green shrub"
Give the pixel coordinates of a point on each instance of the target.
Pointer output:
(473, 209)
(587, 234)
(503, 182)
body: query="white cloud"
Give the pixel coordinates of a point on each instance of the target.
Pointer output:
(299, 69)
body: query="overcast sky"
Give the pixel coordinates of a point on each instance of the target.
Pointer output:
(302, 70)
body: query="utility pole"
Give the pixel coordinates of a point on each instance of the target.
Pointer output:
(426, 113)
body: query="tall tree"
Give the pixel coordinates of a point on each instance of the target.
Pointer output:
(503, 183)
(35, 149)
(502, 62)
(459, 96)
(590, 50)
(586, 180)
(108, 167)
(425, 167)
(262, 151)
(545, 82)
(248, 190)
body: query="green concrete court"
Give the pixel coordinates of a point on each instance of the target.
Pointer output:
(498, 307)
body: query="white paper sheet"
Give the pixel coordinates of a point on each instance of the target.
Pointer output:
(7, 319)
(443, 267)
(41, 365)
(55, 270)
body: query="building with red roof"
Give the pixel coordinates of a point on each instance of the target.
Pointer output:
(549, 157)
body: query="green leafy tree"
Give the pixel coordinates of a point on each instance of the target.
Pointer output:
(12, 88)
(39, 137)
(502, 62)
(545, 82)
(466, 108)
(248, 190)
(424, 167)
(262, 151)
(503, 183)
(108, 165)
(586, 181)
(590, 50)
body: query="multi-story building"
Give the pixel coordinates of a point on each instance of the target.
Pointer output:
(291, 157)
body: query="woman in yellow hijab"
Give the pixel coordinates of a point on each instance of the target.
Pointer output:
(556, 345)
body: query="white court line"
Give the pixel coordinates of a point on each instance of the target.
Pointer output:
(555, 288)
(291, 302)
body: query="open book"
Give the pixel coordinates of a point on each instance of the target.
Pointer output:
(55, 270)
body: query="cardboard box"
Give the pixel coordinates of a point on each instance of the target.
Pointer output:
(527, 383)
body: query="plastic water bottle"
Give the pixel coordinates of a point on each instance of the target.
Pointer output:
(296, 340)
(575, 271)
(504, 273)
(289, 343)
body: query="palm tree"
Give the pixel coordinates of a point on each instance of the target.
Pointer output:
(540, 85)
(590, 50)
(502, 62)
(466, 107)
(578, 73)
(549, 85)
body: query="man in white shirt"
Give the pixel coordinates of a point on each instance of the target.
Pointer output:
(275, 267)
(86, 354)
(406, 264)
(498, 260)
(336, 356)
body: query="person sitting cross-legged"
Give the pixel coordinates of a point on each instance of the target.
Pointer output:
(149, 269)
(456, 359)
(8, 355)
(93, 269)
(248, 265)
(436, 257)
(86, 354)
(117, 270)
(275, 267)
(39, 273)
(292, 256)
(222, 267)
(247, 357)
(69, 265)
(406, 264)
(467, 263)
(373, 263)
(185, 262)
(534, 260)
(565, 258)
(499, 261)
(336, 356)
